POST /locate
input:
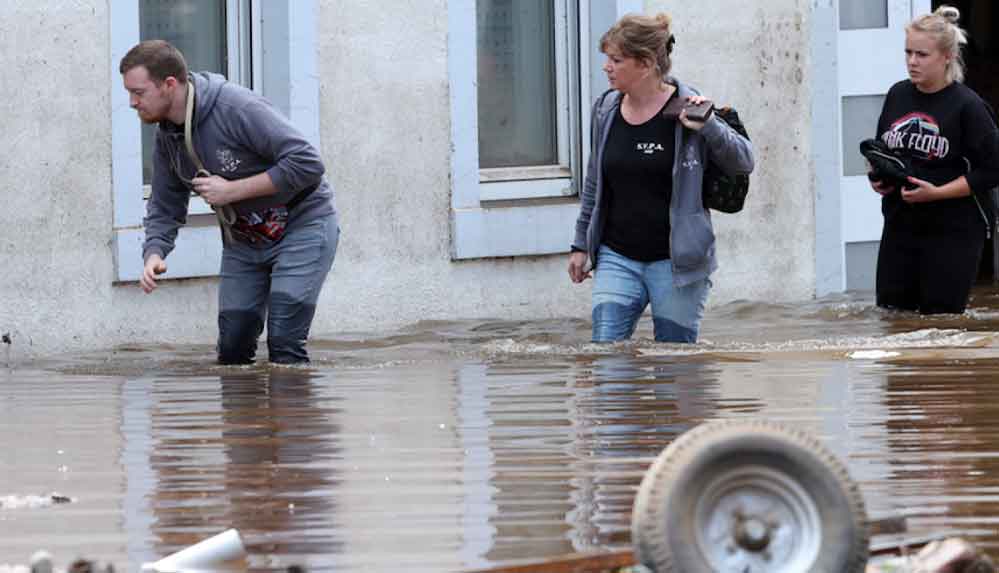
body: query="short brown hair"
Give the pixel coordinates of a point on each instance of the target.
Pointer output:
(160, 58)
(647, 38)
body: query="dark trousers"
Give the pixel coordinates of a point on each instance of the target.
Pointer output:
(279, 284)
(927, 269)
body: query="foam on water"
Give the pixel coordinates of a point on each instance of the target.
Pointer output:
(872, 354)
(923, 338)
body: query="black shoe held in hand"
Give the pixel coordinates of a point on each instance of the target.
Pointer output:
(885, 164)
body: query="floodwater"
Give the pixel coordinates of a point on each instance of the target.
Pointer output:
(458, 445)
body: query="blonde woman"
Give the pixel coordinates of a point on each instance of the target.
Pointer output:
(642, 228)
(935, 227)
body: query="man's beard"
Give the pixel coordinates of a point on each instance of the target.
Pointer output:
(153, 116)
(150, 119)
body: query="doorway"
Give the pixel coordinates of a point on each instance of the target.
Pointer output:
(980, 18)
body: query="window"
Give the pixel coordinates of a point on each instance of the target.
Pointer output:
(863, 14)
(200, 29)
(524, 122)
(213, 35)
(516, 83)
(860, 121)
(224, 36)
(521, 79)
(514, 75)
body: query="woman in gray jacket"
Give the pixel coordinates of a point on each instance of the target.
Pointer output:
(641, 222)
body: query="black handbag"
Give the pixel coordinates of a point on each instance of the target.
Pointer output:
(720, 191)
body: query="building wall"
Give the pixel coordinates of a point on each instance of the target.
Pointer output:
(385, 138)
(55, 288)
(754, 56)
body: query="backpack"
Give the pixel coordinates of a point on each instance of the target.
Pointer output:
(720, 191)
(991, 199)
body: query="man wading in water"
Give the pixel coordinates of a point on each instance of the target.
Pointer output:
(264, 181)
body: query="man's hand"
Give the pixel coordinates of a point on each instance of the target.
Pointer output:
(154, 266)
(214, 190)
(577, 262)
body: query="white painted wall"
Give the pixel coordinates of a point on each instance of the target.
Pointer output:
(385, 136)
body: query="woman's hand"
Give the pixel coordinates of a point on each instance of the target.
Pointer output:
(924, 192)
(882, 188)
(687, 122)
(577, 264)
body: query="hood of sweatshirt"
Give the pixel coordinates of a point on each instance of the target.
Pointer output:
(207, 86)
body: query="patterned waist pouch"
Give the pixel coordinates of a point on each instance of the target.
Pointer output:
(266, 227)
(261, 228)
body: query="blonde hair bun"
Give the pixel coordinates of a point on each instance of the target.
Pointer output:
(949, 13)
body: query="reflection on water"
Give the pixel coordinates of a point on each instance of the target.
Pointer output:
(453, 445)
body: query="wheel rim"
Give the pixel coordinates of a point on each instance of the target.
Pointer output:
(754, 519)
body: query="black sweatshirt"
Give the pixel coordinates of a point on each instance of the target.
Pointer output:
(945, 134)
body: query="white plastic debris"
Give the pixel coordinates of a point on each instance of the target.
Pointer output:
(41, 562)
(224, 549)
(872, 354)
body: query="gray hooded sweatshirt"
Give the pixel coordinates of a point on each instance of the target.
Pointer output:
(237, 134)
(692, 239)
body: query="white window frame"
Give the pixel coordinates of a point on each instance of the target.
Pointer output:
(529, 210)
(289, 29)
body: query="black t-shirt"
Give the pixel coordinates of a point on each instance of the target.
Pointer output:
(945, 134)
(638, 178)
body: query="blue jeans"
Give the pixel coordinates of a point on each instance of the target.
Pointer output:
(623, 287)
(280, 284)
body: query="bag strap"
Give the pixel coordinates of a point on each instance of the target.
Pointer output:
(228, 214)
(188, 126)
(298, 198)
(225, 214)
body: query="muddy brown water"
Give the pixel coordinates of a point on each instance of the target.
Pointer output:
(458, 445)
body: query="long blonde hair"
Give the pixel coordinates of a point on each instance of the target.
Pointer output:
(942, 25)
(642, 37)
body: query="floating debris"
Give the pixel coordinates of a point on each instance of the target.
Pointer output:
(41, 562)
(84, 566)
(217, 552)
(951, 555)
(33, 501)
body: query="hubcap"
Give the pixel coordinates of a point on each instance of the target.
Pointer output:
(754, 519)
